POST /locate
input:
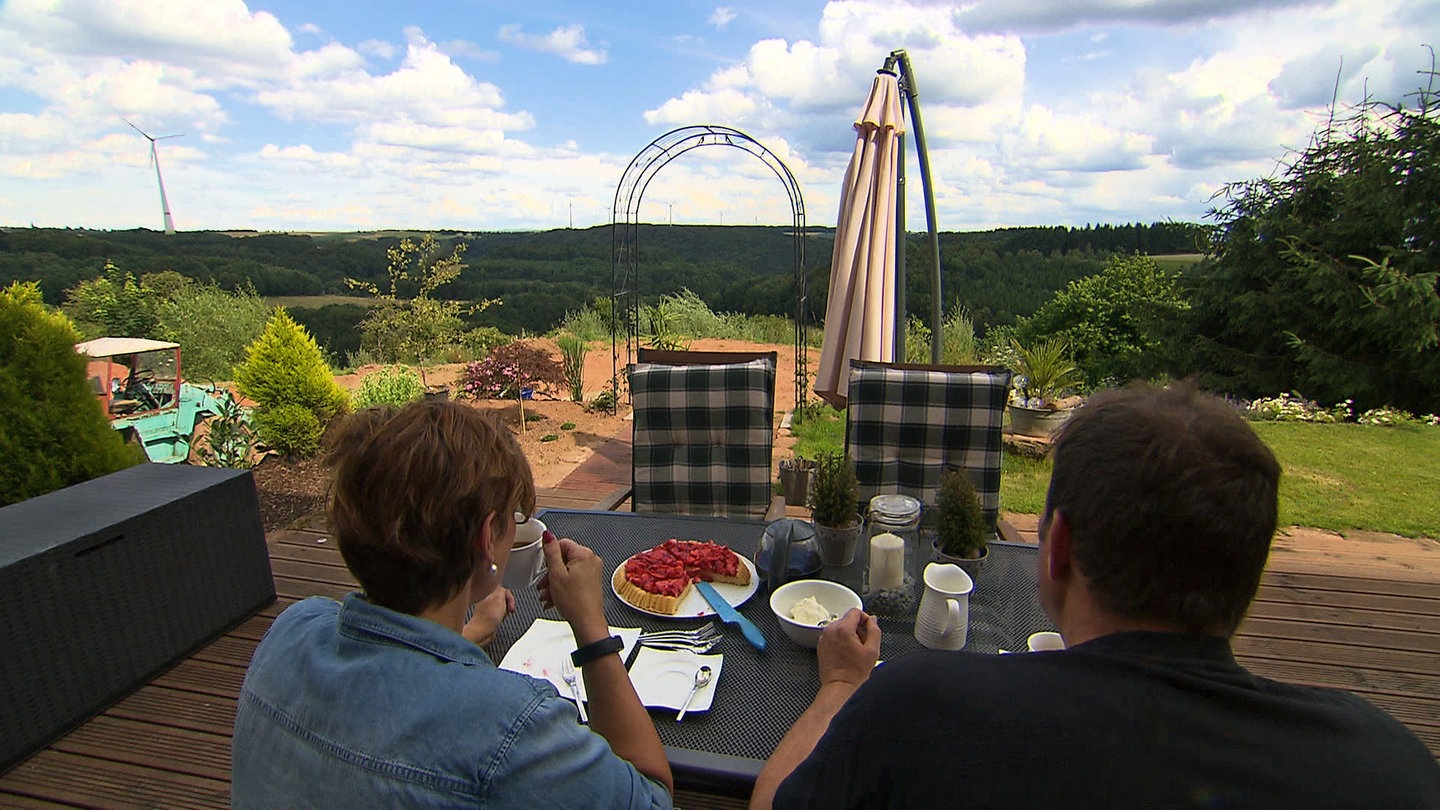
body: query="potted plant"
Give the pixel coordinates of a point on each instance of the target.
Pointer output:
(834, 507)
(960, 531)
(1043, 373)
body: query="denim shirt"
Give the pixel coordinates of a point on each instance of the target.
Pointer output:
(352, 705)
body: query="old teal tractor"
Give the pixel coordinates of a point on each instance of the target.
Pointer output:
(140, 389)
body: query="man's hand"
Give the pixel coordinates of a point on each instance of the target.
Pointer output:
(849, 648)
(489, 611)
(572, 585)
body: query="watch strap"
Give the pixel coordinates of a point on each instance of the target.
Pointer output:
(596, 649)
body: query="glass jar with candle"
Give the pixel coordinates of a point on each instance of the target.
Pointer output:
(889, 584)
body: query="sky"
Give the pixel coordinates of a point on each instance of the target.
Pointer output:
(337, 115)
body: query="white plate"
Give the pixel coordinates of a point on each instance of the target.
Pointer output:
(540, 652)
(694, 606)
(663, 679)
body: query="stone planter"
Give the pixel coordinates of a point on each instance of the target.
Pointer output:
(1036, 421)
(837, 545)
(969, 565)
(437, 392)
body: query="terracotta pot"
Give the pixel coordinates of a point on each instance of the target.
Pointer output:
(1036, 421)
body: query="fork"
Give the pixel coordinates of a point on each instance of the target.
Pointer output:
(689, 646)
(567, 672)
(697, 635)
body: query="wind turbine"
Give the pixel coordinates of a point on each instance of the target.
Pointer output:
(155, 161)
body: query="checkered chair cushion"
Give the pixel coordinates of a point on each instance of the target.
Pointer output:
(906, 426)
(703, 438)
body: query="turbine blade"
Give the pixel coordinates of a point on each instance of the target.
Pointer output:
(139, 130)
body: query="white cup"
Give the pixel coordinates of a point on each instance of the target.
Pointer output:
(526, 556)
(943, 620)
(1040, 642)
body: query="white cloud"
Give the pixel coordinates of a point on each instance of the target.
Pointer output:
(721, 17)
(427, 87)
(211, 33)
(567, 41)
(377, 47)
(1045, 15)
(466, 49)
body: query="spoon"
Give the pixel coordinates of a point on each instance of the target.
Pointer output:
(702, 677)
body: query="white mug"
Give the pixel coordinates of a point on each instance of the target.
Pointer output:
(1040, 642)
(526, 556)
(943, 620)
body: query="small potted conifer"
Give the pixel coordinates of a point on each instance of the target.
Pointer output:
(834, 507)
(960, 531)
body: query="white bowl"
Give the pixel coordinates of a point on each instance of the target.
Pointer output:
(835, 598)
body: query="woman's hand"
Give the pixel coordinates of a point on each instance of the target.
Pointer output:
(489, 612)
(572, 585)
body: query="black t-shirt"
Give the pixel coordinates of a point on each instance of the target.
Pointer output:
(1145, 720)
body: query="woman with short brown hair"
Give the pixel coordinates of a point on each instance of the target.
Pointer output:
(383, 699)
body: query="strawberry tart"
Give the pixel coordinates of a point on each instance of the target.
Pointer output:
(657, 580)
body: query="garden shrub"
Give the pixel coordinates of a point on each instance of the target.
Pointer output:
(508, 369)
(213, 326)
(284, 367)
(52, 431)
(113, 305)
(291, 430)
(1120, 324)
(393, 385)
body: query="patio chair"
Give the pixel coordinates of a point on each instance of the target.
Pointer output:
(907, 423)
(703, 433)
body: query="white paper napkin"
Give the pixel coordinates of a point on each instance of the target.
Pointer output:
(663, 679)
(539, 652)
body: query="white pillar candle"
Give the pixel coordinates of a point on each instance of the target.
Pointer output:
(887, 562)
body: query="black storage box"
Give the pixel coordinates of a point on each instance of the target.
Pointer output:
(105, 584)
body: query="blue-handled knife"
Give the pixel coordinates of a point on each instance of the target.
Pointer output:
(729, 615)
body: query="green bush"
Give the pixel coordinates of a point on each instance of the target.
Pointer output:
(291, 430)
(52, 431)
(1121, 324)
(113, 305)
(212, 326)
(393, 385)
(284, 368)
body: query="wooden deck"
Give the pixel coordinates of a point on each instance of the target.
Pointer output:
(1361, 613)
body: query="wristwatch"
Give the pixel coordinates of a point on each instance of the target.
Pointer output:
(596, 649)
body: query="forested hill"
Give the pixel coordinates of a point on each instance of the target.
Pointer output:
(541, 275)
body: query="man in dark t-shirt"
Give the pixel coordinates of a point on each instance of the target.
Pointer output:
(1158, 521)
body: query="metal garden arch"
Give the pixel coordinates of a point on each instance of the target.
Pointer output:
(625, 231)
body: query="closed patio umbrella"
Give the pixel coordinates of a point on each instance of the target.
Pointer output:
(860, 313)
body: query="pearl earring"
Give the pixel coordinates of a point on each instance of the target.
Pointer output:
(493, 569)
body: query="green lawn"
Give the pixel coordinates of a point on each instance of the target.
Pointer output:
(1336, 477)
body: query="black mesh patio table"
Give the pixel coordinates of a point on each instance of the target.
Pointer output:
(760, 694)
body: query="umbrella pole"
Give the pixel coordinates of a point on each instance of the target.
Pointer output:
(912, 92)
(901, 321)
